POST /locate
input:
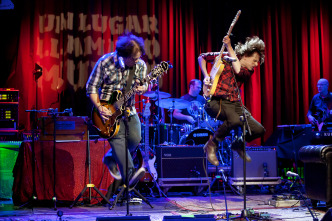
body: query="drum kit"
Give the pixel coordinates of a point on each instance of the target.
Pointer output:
(175, 134)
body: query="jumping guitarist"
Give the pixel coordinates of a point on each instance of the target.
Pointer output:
(225, 102)
(115, 72)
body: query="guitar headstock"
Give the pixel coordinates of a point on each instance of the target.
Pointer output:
(147, 112)
(236, 18)
(159, 70)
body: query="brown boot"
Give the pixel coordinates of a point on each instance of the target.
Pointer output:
(237, 146)
(211, 148)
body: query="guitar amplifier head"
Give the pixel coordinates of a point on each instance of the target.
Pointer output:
(66, 128)
(181, 161)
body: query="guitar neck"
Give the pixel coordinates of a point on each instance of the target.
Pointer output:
(229, 32)
(130, 93)
(155, 72)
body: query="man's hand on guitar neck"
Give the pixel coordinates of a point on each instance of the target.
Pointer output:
(141, 89)
(207, 80)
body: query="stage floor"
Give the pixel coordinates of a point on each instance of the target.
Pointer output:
(175, 204)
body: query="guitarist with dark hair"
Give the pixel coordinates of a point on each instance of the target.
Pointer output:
(114, 72)
(224, 104)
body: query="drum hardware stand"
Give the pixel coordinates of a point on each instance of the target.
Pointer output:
(171, 125)
(158, 103)
(89, 185)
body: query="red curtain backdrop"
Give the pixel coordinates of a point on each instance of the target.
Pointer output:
(66, 38)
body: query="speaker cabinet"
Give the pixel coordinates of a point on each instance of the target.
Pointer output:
(263, 164)
(180, 161)
(145, 218)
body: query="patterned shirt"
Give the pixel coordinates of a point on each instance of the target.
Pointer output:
(226, 87)
(107, 77)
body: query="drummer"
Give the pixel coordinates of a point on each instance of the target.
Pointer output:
(193, 113)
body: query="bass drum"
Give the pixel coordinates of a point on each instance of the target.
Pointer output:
(199, 136)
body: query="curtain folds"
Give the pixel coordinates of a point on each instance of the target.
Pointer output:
(67, 39)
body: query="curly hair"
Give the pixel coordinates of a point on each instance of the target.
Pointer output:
(128, 43)
(252, 45)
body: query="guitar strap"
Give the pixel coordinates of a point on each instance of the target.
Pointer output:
(130, 77)
(129, 83)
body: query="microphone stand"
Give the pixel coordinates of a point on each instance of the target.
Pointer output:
(223, 183)
(125, 121)
(54, 115)
(244, 120)
(33, 156)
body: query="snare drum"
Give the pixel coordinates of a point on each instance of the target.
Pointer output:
(199, 136)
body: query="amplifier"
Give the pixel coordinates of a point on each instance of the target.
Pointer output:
(8, 109)
(66, 128)
(9, 95)
(263, 164)
(180, 161)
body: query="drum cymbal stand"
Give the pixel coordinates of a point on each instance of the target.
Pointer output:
(89, 185)
(171, 125)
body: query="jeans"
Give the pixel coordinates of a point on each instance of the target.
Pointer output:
(230, 115)
(117, 153)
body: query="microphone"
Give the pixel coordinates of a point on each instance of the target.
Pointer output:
(292, 174)
(121, 63)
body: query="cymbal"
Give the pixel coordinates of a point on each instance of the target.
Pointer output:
(153, 94)
(174, 103)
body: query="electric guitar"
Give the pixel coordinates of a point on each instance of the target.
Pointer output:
(116, 105)
(218, 66)
(322, 117)
(148, 163)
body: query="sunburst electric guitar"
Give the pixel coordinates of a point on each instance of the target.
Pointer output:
(116, 105)
(218, 66)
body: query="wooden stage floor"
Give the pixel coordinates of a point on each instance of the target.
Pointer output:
(181, 203)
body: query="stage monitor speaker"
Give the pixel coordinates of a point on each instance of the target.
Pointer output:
(146, 218)
(327, 216)
(209, 217)
(180, 161)
(263, 164)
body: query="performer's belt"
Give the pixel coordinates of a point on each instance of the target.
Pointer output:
(222, 97)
